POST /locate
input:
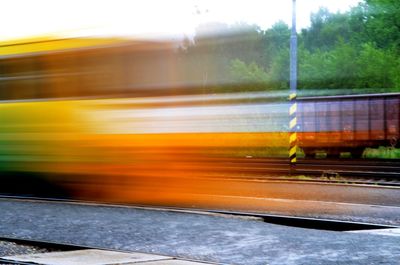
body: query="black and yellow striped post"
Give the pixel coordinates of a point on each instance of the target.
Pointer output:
(293, 94)
(292, 132)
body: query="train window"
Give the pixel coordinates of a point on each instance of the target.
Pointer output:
(97, 73)
(3, 75)
(117, 67)
(21, 79)
(139, 71)
(57, 75)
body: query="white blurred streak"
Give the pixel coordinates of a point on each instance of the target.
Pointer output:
(117, 117)
(146, 19)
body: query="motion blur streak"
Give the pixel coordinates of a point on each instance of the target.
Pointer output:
(118, 121)
(135, 121)
(115, 152)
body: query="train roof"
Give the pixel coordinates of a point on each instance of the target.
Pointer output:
(39, 45)
(372, 95)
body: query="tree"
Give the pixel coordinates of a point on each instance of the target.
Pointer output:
(247, 73)
(383, 22)
(356, 49)
(275, 40)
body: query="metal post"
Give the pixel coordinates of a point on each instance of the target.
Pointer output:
(293, 93)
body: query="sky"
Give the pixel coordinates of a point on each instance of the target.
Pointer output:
(147, 18)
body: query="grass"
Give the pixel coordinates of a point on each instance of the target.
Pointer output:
(382, 153)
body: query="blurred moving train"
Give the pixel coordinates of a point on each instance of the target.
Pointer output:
(110, 119)
(116, 119)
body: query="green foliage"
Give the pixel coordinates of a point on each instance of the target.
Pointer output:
(346, 66)
(358, 50)
(275, 41)
(247, 73)
(383, 22)
(326, 30)
(377, 67)
(279, 71)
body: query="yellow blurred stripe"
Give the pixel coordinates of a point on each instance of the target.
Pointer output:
(43, 44)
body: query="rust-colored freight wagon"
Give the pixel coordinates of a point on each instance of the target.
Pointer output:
(350, 123)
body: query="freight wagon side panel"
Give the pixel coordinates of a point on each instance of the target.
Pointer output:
(377, 119)
(307, 122)
(361, 116)
(334, 122)
(348, 122)
(322, 124)
(392, 119)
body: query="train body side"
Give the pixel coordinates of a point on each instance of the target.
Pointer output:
(348, 123)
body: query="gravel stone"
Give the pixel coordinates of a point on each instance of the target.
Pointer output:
(8, 248)
(192, 236)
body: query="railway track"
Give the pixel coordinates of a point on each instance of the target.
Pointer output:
(322, 170)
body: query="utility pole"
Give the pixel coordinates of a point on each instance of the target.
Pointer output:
(293, 93)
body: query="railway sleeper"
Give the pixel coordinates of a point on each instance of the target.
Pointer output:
(330, 174)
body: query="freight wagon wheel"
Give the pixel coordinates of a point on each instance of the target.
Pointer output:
(357, 152)
(309, 152)
(393, 141)
(331, 153)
